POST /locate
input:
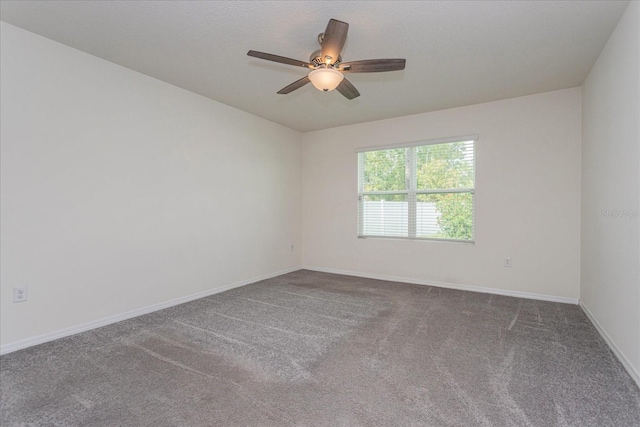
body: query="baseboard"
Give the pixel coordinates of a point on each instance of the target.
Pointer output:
(612, 345)
(494, 291)
(40, 339)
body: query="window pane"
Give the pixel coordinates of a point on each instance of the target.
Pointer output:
(445, 166)
(384, 170)
(444, 170)
(444, 216)
(384, 215)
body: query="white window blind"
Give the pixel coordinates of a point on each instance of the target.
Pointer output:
(419, 190)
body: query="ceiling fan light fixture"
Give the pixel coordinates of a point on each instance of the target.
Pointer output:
(326, 79)
(327, 66)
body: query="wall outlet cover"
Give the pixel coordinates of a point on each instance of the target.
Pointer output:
(20, 294)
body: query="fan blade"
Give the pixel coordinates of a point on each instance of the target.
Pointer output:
(347, 89)
(280, 59)
(373, 66)
(295, 85)
(333, 40)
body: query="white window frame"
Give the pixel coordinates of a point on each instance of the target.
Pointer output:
(412, 191)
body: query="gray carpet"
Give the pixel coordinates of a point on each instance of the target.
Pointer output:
(315, 349)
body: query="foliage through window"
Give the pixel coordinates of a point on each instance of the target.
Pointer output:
(418, 191)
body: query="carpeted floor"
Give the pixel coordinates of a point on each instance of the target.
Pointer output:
(316, 349)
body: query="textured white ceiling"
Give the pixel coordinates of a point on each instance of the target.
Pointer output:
(458, 53)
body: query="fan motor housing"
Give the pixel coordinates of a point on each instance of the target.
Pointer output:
(317, 60)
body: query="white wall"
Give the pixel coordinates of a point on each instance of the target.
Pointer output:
(120, 191)
(610, 274)
(527, 198)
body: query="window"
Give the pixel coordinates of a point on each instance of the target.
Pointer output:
(418, 191)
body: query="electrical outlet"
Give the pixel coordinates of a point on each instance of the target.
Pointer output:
(20, 294)
(507, 261)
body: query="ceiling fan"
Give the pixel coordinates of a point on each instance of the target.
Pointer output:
(327, 68)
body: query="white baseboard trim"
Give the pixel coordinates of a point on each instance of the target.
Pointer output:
(61, 333)
(517, 294)
(612, 345)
